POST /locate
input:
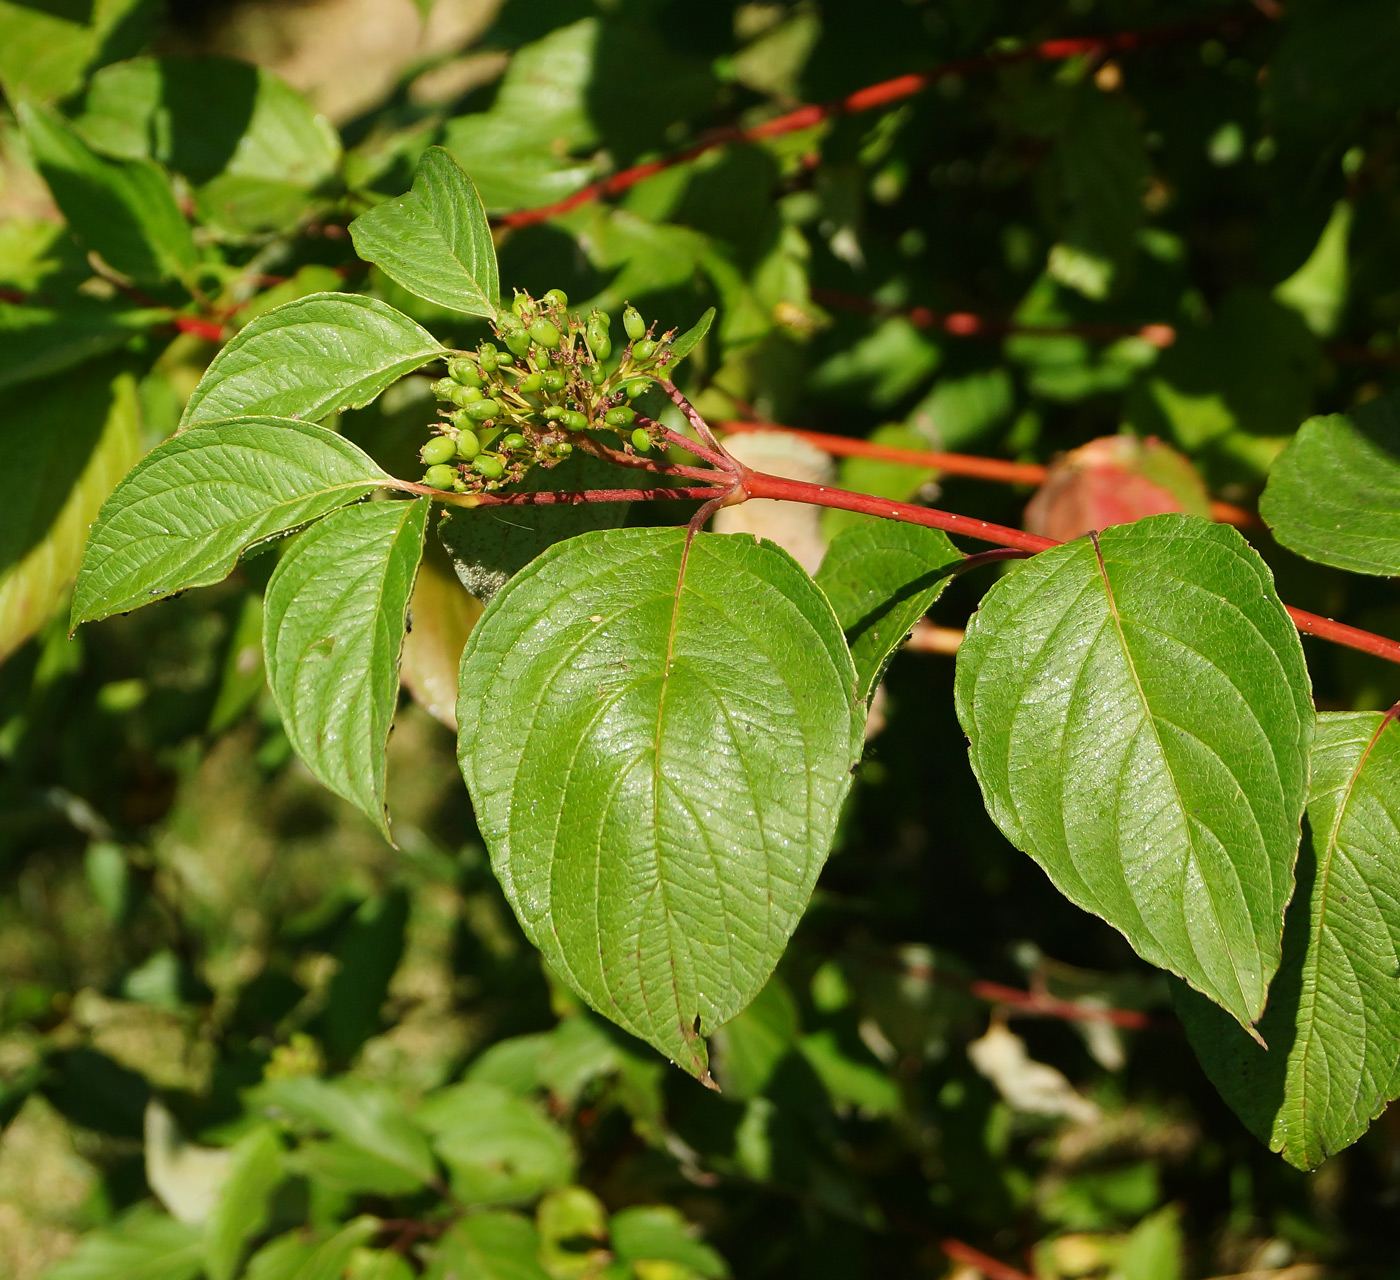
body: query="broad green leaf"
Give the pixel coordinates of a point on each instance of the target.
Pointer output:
(144, 1245)
(659, 1233)
(1333, 1022)
(657, 746)
(242, 1210)
(48, 47)
(199, 500)
(363, 1114)
(66, 443)
(752, 1044)
(435, 241)
(281, 1258)
(125, 210)
(36, 341)
(690, 339)
(497, 1147)
(330, 1259)
(310, 357)
(209, 116)
(1317, 291)
(332, 632)
(1334, 493)
(881, 579)
(442, 616)
(489, 545)
(488, 1246)
(347, 1169)
(1139, 717)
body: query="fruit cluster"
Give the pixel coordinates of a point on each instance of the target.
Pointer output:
(527, 405)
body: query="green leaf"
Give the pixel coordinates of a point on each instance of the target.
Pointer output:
(1317, 291)
(490, 545)
(196, 502)
(488, 1246)
(363, 1114)
(242, 1209)
(333, 629)
(1334, 494)
(123, 210)
(1333, 1022)
(1139, 716)
(144, 1245)
(657, 747)
(435, 241)
(347, 1169)
(690, 339)
(48, 47)
(36, 341)
(881, 579)
(66, 442)
(659, 1233)
(330, 1259)
(311, 357)
(498, 1149)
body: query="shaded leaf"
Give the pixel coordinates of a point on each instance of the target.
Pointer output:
(435, 241)
(332, 632)
(657, 749)
(881, 578)
(242, 1209)
(36, 341)
(1334, 493)
(310, 357)
(123, 210)
(441, 616)
(195, 503)
(660, 1233)
(71, 439)
(49, 47)
(1139, 716)
(1333, 1022)
(144, 1245)
(489, 1246)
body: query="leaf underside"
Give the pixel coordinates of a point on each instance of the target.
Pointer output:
(309, 358)
(657, 763)
(1139, 716)
(196, 502)
(332, 633)
(1333, 1022)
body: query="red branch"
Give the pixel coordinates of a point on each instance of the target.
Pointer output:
(985, 1263)
(996, 470)
(878, 95)
(1039, 1004)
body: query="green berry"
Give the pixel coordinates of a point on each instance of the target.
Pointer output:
(488, 357)
(643, 350)
(489, 467)
(601, 344)
(600, 319)
(468, 446)
(640, 440)
(558, 297)
(545, 333)
(481, 410)
(519, 341)
(634, 324)
(510, 443)
(592, 373)
(555, 380)
(464, 371)
(438, 449)
(637, 387)
(439, 477)
(519, 303)
(446, 389)
(530, 383)
(563, 449)
(468, 395)
(573, 419)
(620, 417)
(553, 412)
(505, 359)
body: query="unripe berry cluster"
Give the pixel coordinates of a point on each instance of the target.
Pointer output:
(525, 406)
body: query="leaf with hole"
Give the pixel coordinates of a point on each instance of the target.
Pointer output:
(309, 358)
(657, 746)
(881, 578)
(435, 241)
(1139, 717)
(195, 503)
(332, 633)
(1333, 1022)
(1334, 493)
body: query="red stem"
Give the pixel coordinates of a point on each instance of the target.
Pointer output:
(868, 99)
(1040, 1005)
(985, 1263)
(550, 497)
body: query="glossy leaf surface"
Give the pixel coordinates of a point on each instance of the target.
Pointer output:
(881, 578)
(1334, 493)
(310, 357)
(1139, 716)
(657, 749)
(195, 503)
(332, 633)
(1333, 1022)
(435, 241)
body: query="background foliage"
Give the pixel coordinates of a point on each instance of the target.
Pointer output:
(235, 1024)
